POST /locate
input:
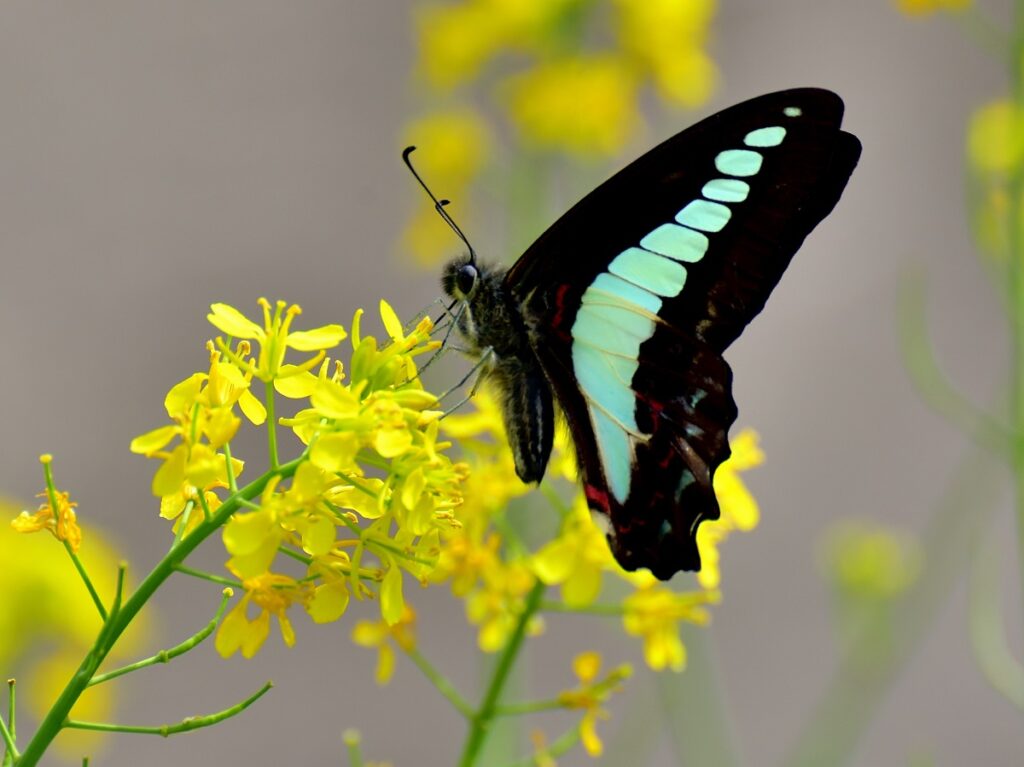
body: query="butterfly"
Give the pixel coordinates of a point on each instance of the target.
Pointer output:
(619, 313)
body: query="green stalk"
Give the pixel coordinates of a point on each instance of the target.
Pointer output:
(441, 682)
(1016, 281)
(481, 721)
(185, 725)
(271, 426)
(57, 716)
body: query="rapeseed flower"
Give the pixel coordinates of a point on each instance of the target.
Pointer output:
(590, 696)
(653, 613)
(60, 521)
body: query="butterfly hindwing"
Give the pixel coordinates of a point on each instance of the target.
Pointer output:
(631, 297)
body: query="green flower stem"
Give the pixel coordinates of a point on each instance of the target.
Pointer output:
(85, 761)
(185, 725)
(11, 750)
(211, 577)
(206, 507)
(296, 555)
(593, 609)
(271, 426)
(562, 745)
(186, 514)
(230, 470)
(441, 682)
(51, 495)
(931, 382)
(112, 630)
(481, 721)
(352, 745)
(12, 708)
(1016, 275)
(165, 656)
(888, 637)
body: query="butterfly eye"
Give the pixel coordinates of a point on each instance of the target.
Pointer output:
(465, 279)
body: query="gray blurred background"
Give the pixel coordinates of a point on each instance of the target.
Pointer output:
(156, 157)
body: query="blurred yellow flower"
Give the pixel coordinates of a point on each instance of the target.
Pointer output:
(653, 612)
(452, 148)
(272, 594)
(867, 560)
(667, 38)
(380, 634)
(576, 559)
(738, 507)
(585, 105)
(925, 7)
(995, 137)
(591, 694)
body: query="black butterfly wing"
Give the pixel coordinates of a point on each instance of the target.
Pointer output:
(631, 297)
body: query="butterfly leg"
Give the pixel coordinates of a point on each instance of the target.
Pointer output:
(529, 414)
(480, 369)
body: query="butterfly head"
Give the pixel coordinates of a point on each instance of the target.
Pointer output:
(460, 279)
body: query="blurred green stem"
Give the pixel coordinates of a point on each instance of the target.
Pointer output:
(889, 637)
(480, 724)
(1016, 275)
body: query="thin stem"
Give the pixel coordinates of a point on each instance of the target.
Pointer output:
(271, 426)
(888, 637)
(299, 557)
(481, 721)
(51, 494)
(183, 522)
(211, 577)
(352, 745)
(165, 656)
(441, 682)
(563, 745)
(55, 718)
(230, 469)
(11, 749)
(12, 708)
(206, 506)
(185, 725)
(1016, 280)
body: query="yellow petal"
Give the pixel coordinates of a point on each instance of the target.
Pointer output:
(582, 586)
(182, 396)
(169, 477)
(335, 452)
(231, 321)
(256, 634)
(329, 602)
(555, 560)
(391, 443)
(252, 407)
(313, 340)
(295, 383)
(318, 536)
(586, 666)
(151, 441)
(245, 533)
(392, 604)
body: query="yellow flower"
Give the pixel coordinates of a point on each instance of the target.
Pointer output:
(379, 634)
(498, 601)
(653, 613)
(590, 694)
(738, 507)
(275, 337)
(272, 595)
(666, 38)
(584, 105)
(61, 521)
(995, 137)
(925, 7)
(575, 559)
(867, 560)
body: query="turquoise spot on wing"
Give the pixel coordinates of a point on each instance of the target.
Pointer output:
(677, 242)
(616, 330)
(771, 136)
(608, 288)
(704, 215)
(738, 162)
(726, 190)
(649, 270)
(606, 382)
(792, 111)
(616, 454)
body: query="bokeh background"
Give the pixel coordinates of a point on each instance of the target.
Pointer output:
(157, 157)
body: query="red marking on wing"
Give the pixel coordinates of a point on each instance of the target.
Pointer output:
(556, 321)
(597, 498)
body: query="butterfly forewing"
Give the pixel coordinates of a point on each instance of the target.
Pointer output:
(632, 296)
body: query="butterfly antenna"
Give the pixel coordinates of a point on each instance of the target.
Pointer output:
(438, 204)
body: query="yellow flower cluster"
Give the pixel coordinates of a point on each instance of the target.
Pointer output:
(60, 521)
(365, 502)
